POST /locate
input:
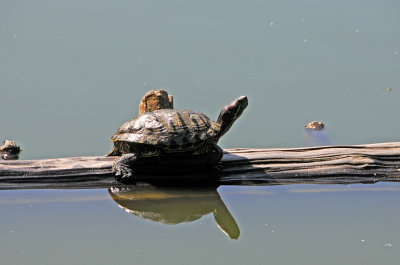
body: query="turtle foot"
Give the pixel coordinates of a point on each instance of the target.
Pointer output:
(122, 168)
(218, 167)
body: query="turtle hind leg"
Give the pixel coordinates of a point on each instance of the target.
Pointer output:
(123, 167)
(120, 147)
(114, 152)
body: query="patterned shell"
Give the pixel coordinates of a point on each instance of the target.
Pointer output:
(166, 127)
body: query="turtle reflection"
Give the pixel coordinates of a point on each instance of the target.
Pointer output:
(175, 205)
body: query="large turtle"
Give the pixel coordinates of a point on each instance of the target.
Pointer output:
(180, 139)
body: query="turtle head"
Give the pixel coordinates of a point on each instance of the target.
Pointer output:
(230, 113)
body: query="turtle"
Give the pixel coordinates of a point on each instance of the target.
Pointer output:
(315, 125)
(316, 134)
(154, 100)
(10, 150)
(171, 139)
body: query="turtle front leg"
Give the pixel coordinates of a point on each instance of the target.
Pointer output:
(123, 167)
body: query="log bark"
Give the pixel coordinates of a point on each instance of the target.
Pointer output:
(324, 164)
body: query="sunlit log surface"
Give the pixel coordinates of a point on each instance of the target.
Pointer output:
(326, 164)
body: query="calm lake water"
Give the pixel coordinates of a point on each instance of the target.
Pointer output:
(299, 224)
(72, 71)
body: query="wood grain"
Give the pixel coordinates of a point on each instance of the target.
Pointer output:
(324, 164)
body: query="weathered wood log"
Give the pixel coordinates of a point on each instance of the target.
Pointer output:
(324, 164)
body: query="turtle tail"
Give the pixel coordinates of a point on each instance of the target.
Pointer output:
(114, 152)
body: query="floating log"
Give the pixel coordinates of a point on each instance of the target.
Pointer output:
(323, 164)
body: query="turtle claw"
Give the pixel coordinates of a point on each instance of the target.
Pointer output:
(218, 167)
(121, 172)
(123, 168)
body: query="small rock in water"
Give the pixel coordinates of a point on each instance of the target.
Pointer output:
(315, 125)
(388, 89)
(9, 150)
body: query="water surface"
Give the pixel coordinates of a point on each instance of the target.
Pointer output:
(298, 224)
(72, 71)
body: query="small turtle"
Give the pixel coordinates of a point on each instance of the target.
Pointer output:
(316, 134)
(315, 125)
(174, 138)
(10, 150)
(154, 100)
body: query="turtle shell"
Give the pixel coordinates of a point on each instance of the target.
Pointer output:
(168, 127)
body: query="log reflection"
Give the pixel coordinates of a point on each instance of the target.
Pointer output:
(172, 206)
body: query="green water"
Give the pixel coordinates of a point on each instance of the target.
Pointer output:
(72, 71)
(300, 224)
